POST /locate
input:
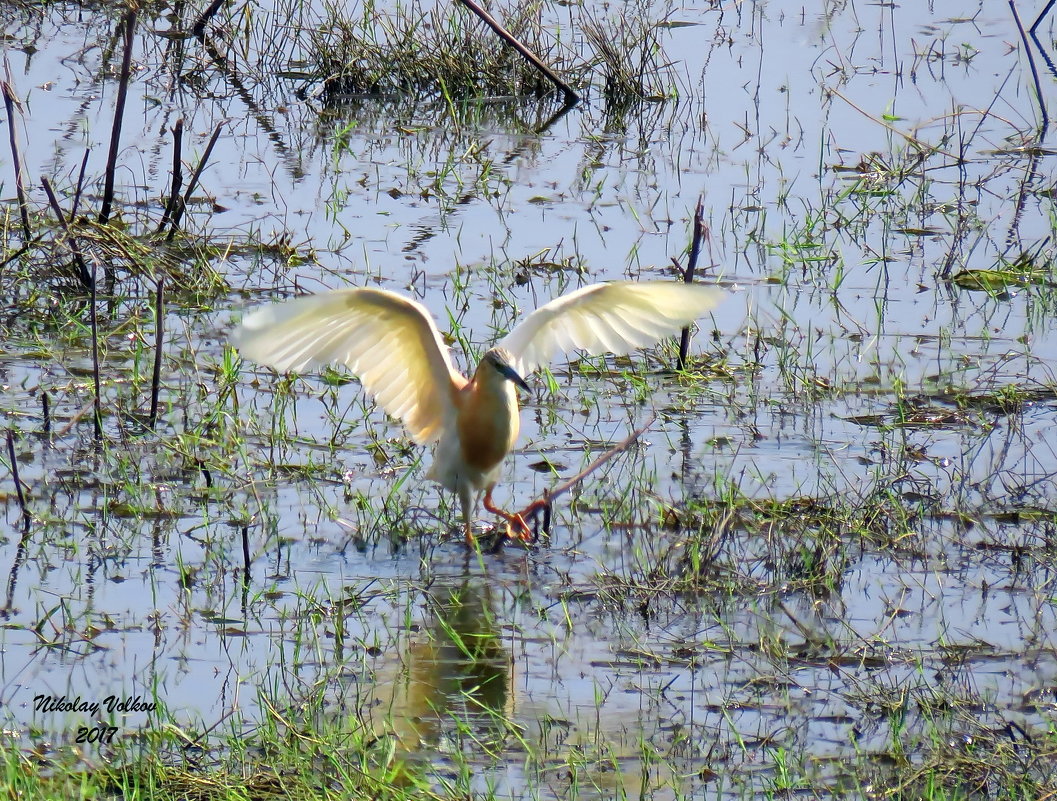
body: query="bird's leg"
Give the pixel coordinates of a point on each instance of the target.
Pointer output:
(466, 498)
(517, 528)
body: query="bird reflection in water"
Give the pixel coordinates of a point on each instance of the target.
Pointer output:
(453, 680)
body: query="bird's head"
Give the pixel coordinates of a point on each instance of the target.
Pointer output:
(498, 362)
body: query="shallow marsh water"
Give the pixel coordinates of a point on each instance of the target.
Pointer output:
(850, 161)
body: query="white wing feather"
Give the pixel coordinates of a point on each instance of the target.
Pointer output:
(614, 318)
(389, 341)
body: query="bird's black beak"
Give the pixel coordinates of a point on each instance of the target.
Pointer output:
(512, 374)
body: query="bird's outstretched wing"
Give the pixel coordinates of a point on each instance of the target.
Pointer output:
(389, 341)
(615, 318)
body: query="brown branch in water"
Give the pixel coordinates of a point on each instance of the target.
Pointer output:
(193, 183)
(1046, 10)
(1031, 63)
(571, 96)
(922, 145)
(119, 115)
(177, 174)
(246, 562)
(205, 473)
(11, 102)
(45, 411)
(14, 475)
(199, 28)
(688, 275)
(80, 184)
(159, 341)
(86, 278)
(16, 567)
(544, 502)
(75, 418)
(97, 406)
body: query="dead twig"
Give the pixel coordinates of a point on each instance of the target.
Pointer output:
(545, 501)
(1046, 10)
(14, 475)
(11, 102)
(75, 418)
(246, 562)
(193, 183)
(1033, 33)
(159, 342)
(86, 278)
(199, 28)
(571, 96)
(1031, 64)
(97, 407)
(688, 275)
(80, 184)
(177, 174)
(119, 115)
(924, 146)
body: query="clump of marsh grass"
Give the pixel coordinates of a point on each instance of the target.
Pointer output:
(626, 53)
(444, 49)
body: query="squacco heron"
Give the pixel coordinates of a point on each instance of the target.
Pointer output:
(393, 345)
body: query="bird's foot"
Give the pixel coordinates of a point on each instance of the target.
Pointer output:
(514, 524)
(518, 520)
(517, 528)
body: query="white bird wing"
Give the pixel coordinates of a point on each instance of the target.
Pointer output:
(389, 341)
(615, 317)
